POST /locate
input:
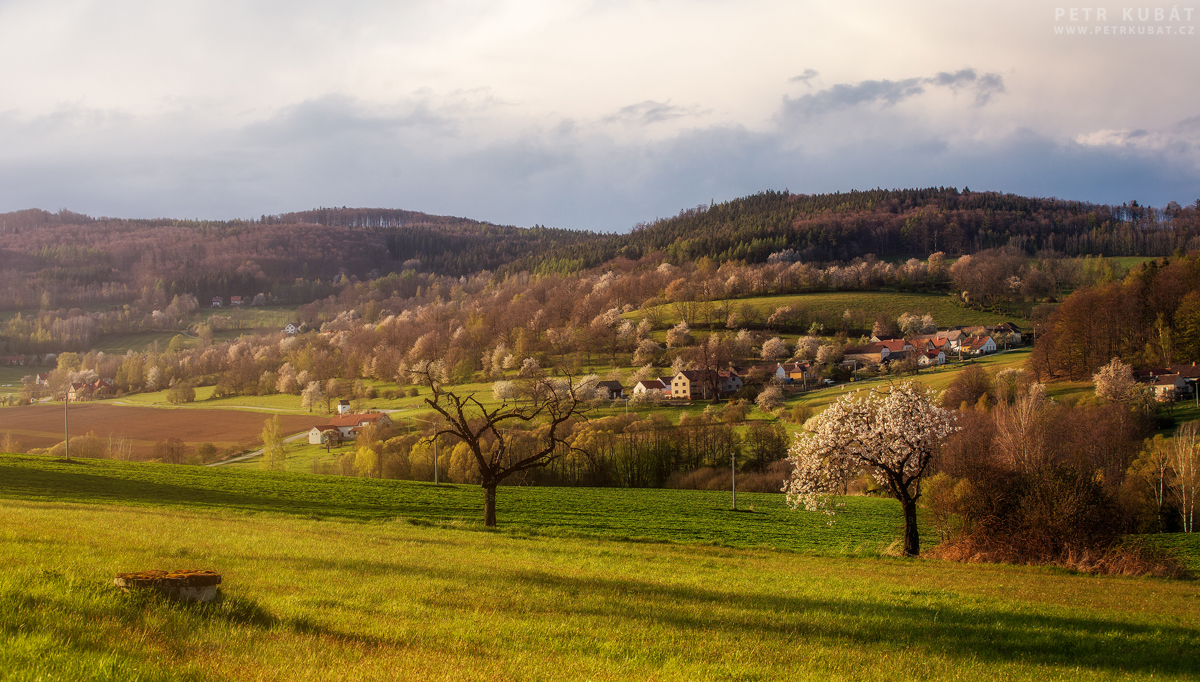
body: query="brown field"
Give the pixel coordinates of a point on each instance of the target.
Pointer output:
(41, 426)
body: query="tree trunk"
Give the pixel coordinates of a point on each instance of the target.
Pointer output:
(489, 505)
(912, 541)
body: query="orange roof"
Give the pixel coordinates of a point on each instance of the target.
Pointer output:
(348, 420)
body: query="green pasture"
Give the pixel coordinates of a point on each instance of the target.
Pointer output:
(300, 457)
(331, 578)
(274, 318)
(867, 524)
(10, 378)
(250, 320)
(945, 311)
(936, 378)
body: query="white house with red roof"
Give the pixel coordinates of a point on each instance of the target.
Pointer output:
(661, 386)
(979, 345)
(349, 426)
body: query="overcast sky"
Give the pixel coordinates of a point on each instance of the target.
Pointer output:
(579, 114)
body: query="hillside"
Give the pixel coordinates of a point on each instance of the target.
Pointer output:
(69, 259)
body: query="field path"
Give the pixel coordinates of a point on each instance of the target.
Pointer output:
(256, 453)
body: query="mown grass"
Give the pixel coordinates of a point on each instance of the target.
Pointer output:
(334, 599)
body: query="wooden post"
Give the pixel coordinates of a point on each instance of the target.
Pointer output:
(67, 422)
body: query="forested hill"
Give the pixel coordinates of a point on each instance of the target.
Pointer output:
(888, 224)
(77, 260)
(68, 259)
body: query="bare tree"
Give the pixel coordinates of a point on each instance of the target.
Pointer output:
(554, 404)
(1185, 460)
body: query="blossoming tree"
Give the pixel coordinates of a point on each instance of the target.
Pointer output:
(891, 435)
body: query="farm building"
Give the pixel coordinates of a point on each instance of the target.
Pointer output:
(349, 425)
(614, 388)
(661, 386)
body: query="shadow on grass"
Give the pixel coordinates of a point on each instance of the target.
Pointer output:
(887, 616)
(993, 633)
(42, 479)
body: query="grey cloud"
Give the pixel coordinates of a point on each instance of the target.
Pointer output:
(984, 86)
(649, 111)
(805, 77)
(438, 158)
(890, 93)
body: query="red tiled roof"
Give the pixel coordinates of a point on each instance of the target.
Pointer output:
(346, 420)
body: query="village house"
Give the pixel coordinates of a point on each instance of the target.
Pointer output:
(235, 300)
(216, 302)
(803, 372)
(979, 345)
(343, 407)
(931, 358)
(349, 426)
(661, 386)
(1171, 383)
(614, 388)
(78, 392)
(1191, 378)
(100, 388)
(865, 356)
(692, 384)
(1168, 387)
(767, 372)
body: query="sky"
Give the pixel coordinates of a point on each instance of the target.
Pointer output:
(585, 115)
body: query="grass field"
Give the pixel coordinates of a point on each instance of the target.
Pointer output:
(10, 378)
(243, 321)
(890, 303)
(935, 378)
(661, 515)
(329, 584)
(41, 426)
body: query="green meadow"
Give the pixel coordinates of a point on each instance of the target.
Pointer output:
(945, 311)
(331, 578)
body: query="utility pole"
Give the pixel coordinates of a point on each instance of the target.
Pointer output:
(733, 470)
(435, 461)
(67, 422)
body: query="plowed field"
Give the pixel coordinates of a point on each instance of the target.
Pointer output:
(41, 426)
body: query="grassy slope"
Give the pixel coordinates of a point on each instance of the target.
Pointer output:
(945, 312)
(337, 598)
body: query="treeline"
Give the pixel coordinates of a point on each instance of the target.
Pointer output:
(110, 258)
(1149, 319)
(631, 451)
(888, 224)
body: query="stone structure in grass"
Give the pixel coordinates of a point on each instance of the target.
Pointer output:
(185, 585)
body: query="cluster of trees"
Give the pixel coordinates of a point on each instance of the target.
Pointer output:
(1038, 481)
(1149, 319)
(1010, 475)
